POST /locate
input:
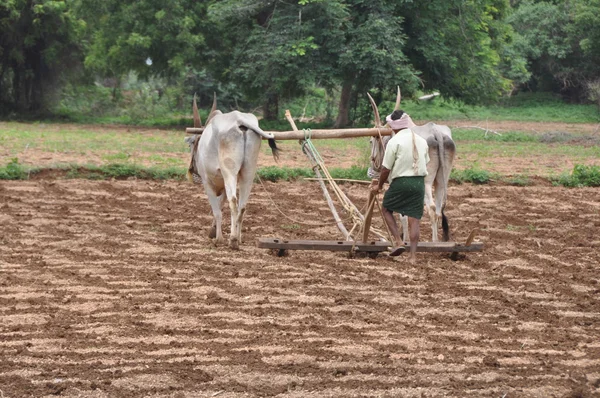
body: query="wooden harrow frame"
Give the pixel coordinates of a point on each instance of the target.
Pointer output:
(356, 240)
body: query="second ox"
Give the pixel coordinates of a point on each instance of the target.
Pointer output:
(441, 154)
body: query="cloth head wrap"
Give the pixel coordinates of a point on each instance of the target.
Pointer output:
(403, 123)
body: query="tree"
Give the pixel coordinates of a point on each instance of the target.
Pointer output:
(372, 53)
(38, 45)
(149, 37)
(460, 46)
(560, 41)
(586, 28)
(272, 46)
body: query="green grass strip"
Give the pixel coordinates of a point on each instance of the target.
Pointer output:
(581, 176)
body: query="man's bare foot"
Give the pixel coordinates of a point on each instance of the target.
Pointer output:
(412, 259)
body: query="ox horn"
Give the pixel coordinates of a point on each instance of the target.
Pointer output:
(214, 105)
(213, 109)
(398, 97)
(197, 120)
(375, 110)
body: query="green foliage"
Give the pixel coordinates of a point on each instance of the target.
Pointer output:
(93, 104)
(586, 26)
(544, 107)
(460, 134)
(314, 57)
(581, 176)
(150, 102)
(274, 47)
(518, 180)
(274, 173)
(353, 173)
(121, 171)
(84, 102)
(39, 44)
(145, 36)
(13, 171)
(473, 175)
(560, 42)
(458, 46)
(519, 107)
(372, 53)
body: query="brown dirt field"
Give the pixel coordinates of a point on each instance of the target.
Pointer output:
(112, 289)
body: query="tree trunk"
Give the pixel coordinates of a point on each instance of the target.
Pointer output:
(116, 89)
(17, 88)
(344, 106)
(271, 107)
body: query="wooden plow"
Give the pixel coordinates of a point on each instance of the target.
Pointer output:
(356, 238)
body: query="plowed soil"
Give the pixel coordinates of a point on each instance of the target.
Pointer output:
(112, 289)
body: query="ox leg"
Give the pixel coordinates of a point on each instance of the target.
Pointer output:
(245, 177)
(213, 230)
(439, 209)
(430, 206)
(234, 242)
(231, 191)
(441, 194)
(405, 234)
(245, 184)
(215, 204)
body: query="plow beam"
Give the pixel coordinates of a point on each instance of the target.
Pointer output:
(373, 247)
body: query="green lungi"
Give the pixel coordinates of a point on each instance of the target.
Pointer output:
(406, 196)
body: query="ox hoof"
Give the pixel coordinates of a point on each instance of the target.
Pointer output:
(234, 244)
(212, 232)
(218, 241)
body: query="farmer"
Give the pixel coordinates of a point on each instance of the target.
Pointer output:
(405, 165)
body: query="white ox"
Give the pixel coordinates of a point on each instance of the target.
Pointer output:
(441, 154)
(226, 157)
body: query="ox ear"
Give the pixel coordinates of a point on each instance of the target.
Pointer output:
(197, 120)
(398, 98)
(190, 140)
(375, 110)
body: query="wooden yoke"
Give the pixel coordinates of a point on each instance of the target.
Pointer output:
(317, 134)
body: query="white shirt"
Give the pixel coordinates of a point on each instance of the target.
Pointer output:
(398, 155)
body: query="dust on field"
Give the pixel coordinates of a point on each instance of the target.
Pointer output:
(112, 289)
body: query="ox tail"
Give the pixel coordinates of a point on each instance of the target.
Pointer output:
(445, 227)
(274, 149)
(270, 137)
(439, 137)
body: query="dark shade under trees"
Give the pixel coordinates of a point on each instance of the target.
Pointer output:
(39, 44)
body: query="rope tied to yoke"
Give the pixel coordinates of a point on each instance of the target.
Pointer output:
(415, 154)
(192, 173)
